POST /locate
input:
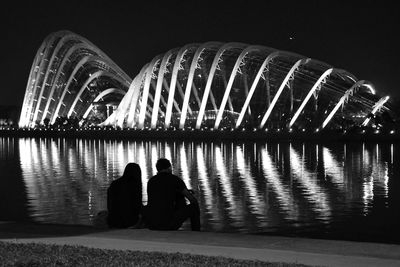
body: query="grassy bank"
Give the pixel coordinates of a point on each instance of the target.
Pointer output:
(32, 254)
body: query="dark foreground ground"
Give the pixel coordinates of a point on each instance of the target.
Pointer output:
(236, 246)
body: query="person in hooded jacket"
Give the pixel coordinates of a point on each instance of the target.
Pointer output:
(124, 198)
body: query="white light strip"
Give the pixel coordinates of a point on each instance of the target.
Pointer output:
(254, 86)
(283, 85)
(319, 82)
(231, 80)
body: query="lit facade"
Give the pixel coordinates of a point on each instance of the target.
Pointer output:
(198, 86)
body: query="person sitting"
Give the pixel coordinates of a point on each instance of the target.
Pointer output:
(124, 198)
(166, 208)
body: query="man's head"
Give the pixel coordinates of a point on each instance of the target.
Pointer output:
(163, 165)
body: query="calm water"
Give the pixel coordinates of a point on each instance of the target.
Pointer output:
(335, 190)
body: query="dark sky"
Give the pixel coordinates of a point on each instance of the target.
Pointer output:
(361, 37)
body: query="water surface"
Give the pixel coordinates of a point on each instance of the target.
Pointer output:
(333, 190)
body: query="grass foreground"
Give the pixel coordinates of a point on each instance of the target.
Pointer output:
(34, 254)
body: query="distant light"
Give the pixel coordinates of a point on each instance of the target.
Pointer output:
(317, 130)
(304, 130)
(392, 132)
(266, 129)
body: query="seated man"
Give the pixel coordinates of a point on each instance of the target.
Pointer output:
(167, 208)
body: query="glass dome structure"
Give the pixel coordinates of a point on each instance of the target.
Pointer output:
(210, 85)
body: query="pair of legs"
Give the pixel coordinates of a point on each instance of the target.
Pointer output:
(179, 216)
(182, 213)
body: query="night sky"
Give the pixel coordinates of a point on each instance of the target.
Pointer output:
(361, 37)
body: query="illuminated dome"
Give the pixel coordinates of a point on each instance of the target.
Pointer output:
(212, 85)
(68, 77)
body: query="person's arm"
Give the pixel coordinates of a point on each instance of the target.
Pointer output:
(189, 196)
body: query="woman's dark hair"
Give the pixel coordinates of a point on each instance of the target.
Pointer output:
(163, 164)
(134, 173)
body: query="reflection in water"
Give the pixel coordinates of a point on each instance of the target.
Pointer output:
(284, 197)
(313, 192)
(240, 187)
(226, 183)
(257, 203)
(332, 168)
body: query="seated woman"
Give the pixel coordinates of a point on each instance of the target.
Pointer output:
(124, 198)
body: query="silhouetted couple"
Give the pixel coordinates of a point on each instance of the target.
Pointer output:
(166, 208)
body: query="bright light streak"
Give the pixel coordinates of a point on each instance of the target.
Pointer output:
(283, 85)
(377, 106)
(230, 82)
(284, 197)
(160, 79)
(225, 183)
(257, 203)
(184, 166)
(141, 157)
(319, 82)
(332, 168)
(314, 193)
(254, 86)
(204, 180)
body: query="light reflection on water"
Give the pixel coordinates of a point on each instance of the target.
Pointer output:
(241, 187)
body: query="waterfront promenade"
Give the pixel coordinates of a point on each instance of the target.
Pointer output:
(239, 246)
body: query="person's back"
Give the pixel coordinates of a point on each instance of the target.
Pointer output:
(164, 197)
(124, 198)
(166, 208)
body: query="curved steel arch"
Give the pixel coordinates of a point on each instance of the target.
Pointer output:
(31, 84)
(80, 64)
(49, 70)
(48, 86)
(72, 76)
(231, 80)
(211, 78)
(136, 94)
(160, 79)
(379, 104)
(253, 87)
(65, 59)
(189, 83)
(343, 99)
(146, 89)
(46, 52)
(319, 82)
(93, 76)
(174, 77)
(283, 85)
(120, 115)
(101, 95)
